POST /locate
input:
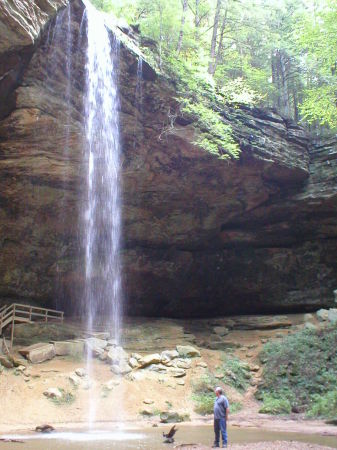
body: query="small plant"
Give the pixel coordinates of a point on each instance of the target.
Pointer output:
(272, 405)
(237, 373)
(324, 406)
(105, 392)
(204, 397)
(67, 398)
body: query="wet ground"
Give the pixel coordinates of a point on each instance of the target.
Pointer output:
(151, 439)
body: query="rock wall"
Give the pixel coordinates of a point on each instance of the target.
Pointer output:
(202, 236)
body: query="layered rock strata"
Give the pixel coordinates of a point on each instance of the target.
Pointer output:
(201, 236)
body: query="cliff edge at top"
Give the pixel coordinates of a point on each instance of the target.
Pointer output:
(201, 236)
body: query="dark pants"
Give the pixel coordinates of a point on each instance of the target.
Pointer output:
(220, 425)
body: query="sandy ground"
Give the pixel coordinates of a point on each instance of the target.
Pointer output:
(23, 404)
(275, 445)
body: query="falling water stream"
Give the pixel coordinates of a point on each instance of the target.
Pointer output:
(102, 205)
(102, 217)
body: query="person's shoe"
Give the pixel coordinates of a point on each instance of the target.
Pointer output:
(215, 445)
(224, 445)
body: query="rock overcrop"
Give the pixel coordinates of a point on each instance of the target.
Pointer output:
(250, 211)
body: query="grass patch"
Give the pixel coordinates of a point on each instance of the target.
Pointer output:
(300, 372)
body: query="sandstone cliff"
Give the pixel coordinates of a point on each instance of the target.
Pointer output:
(201, 235)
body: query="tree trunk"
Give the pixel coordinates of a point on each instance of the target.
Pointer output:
(181, 33)
(222, 33)
(160, 37)
(197, 20)
(214, 37)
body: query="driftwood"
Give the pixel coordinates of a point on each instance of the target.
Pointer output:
(11, 440)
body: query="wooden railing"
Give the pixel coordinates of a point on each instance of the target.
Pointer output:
(18, 313)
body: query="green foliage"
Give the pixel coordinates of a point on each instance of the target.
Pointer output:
(237, 373)
(204, 403)
(67, 398)
(239, 92)
(319, 105)
(300, 371)
(280, 54)
(203, 392)
(315, 36)
(324, 406)
(275, 405)
(215, 137)
(200, 103)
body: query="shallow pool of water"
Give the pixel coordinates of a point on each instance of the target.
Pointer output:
(150, 439)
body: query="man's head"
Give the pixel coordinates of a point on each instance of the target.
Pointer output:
(218, 391)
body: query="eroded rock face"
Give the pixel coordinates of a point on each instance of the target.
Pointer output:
(201, 236)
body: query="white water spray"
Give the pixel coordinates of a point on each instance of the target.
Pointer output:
(103, 209)
(102, 212)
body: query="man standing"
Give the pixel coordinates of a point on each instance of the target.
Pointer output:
(221, 410)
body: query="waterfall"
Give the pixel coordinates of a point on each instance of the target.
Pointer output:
(59, 41)
(102, 209)
(139, 86)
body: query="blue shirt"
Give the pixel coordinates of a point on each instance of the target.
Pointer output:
(220, 406)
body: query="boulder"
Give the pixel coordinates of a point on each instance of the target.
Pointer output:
(133, 363)
(111, 384)
(103, 356)
(308, 317)
(112, 343)
(38, 353)
(332, 315)
(117, 355)
(102, 335)
(177, 373)
(160, 368)
(149, 359)
(75, 380)
(96, 346)
(148, 401)
(310, 326)
(322, 315)
(69, 348)
(187, 351)
(183, 363)
(202, 364)
(167, 356)
(173, 417)
(53, 393)
(122, 368)
(221, 331)
(146, 412)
